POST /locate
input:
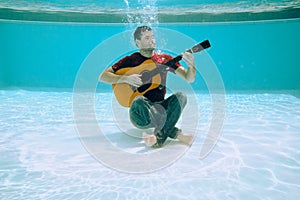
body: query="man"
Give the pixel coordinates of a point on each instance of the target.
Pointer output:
(152, 110)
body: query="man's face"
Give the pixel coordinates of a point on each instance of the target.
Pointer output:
(147, 41)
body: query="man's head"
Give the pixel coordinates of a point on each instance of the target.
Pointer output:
(144, 38)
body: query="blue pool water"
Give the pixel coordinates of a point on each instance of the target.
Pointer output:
(59, 142)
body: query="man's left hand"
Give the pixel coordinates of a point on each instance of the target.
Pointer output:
(188, 58)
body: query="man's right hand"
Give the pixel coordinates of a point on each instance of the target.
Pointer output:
(133, 79)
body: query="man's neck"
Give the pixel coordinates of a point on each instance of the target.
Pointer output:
(146, 53)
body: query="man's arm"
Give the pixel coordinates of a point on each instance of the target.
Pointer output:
(109, 76)
(190, 73)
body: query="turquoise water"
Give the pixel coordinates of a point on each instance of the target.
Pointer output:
(59, 143)
(252, 55)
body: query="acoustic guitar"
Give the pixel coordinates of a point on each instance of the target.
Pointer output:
(150, 76)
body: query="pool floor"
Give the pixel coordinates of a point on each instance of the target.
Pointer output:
(256, 157)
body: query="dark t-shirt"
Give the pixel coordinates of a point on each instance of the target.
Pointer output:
(135, 59)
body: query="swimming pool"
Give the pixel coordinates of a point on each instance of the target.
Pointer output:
(46, 155)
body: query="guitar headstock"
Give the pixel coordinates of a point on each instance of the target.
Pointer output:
(199, 47)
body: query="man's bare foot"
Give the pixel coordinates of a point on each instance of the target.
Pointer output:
(186, 139)
(149, 140)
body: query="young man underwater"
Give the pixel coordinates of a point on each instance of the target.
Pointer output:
(148, 107)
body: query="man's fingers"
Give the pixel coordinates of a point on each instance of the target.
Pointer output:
(135, 80)
(188, 58)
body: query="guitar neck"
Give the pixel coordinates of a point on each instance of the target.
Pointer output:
(162, 67)
(173, 61)
(197, 48)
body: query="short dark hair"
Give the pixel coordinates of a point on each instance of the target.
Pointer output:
(139, 30)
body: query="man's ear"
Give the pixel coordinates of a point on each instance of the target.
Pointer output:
(137, 42)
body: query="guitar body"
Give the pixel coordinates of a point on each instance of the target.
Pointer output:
(126, 93)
